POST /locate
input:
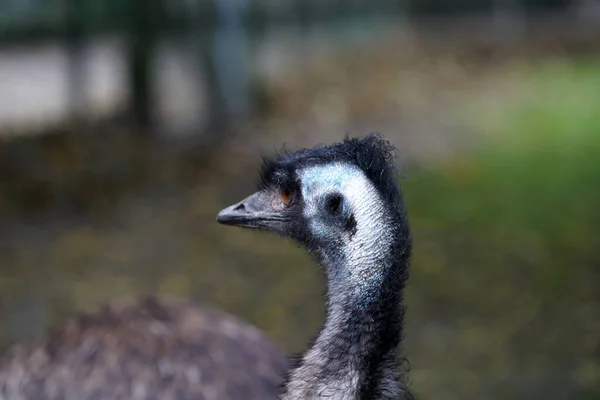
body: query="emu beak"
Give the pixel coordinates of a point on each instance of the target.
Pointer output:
(255, 211)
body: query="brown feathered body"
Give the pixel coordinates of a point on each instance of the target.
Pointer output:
(146, 350)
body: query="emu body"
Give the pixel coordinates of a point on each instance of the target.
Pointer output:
(146, 350)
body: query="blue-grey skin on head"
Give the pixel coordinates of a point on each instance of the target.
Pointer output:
(343, 204)
(357, 227)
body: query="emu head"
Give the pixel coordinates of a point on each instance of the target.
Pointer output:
(340, 201)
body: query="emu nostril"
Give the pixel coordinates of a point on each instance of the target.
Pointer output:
(240, 207)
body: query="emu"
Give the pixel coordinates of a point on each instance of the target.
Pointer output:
(342, 204)
(146, 349)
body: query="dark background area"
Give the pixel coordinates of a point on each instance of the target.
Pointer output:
(125, 126)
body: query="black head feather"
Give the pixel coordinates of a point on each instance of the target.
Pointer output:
(373, 154)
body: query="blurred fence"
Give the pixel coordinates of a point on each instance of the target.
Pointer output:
(157, 61)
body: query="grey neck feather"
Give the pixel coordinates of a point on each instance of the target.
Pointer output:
(355, 353)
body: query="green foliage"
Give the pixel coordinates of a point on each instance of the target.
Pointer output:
(509, 234)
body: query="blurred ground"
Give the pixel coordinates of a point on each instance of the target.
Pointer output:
(501, 174)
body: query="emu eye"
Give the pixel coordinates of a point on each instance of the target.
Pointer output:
(334, 203)
(286, 195)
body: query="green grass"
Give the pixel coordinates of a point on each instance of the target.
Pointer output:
(509, 234)
(537, 171)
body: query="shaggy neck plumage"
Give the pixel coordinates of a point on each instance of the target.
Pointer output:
(355, 353)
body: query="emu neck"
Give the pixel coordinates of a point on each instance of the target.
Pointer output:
(355, 354)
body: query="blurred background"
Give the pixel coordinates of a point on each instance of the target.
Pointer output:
(126, 125)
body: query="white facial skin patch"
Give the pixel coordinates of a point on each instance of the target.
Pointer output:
(365, 252)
